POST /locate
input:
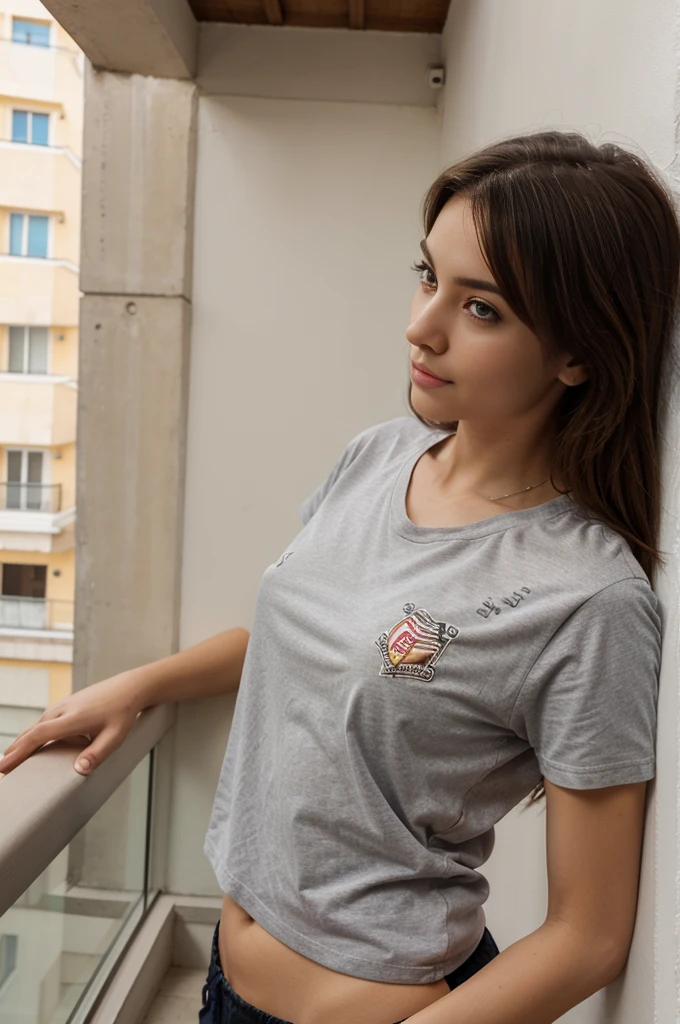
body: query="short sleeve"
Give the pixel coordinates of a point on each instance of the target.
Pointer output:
(588, 704)
(311, 504)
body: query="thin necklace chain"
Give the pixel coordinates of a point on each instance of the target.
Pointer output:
(529, 488)
(520, 491)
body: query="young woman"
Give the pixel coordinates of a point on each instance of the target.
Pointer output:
(466, 618)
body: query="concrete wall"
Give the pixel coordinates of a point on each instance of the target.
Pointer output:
(306, 222)
(607, 67)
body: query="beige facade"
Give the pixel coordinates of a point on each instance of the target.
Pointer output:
(41, 118)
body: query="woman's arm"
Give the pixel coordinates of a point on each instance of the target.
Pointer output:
(106, 710)
(206, 669)
(594, 843)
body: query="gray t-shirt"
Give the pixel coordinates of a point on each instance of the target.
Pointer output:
(405, 687)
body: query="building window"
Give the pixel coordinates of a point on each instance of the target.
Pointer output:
(28, 350)
(23, 603)
(28, 234)
(25, 481)
(21, 580)
(30, 127)
(34, 33)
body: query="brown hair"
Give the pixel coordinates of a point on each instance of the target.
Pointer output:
(583, 241)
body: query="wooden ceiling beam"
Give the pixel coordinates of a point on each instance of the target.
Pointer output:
(273, 12)
(357, 13)
(380, 15)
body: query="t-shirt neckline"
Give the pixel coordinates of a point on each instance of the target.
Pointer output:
(406, 528)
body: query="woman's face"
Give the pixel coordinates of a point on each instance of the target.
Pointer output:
(465, 333)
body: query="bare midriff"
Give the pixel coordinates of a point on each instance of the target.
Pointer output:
(279, 980)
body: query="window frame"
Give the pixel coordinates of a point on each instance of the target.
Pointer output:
(45, 482)
(24, 234)
(32, 21)
(25, 371)
(30, 115)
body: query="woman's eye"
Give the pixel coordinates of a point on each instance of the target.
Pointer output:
(486, 313)
(485, 310)
(422, 270)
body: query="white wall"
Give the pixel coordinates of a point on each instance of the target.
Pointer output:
(307, 221)
(308, 63)
(604, 66)
(607, 67)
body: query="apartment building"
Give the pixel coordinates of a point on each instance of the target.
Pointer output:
(41, 108)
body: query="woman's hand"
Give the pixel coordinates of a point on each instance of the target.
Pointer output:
(103, 712)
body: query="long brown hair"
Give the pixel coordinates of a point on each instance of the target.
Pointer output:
(584, 242)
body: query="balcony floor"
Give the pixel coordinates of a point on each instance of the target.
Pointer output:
(178, 1000)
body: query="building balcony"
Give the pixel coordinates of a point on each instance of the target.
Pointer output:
(44, 178)
(37, 630)
(29, 72)
(37, 614)
(32, 519)
(38, 291)
(37, 410)
(37, 531)
(29, 497)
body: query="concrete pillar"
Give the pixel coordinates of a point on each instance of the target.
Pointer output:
(138, 190)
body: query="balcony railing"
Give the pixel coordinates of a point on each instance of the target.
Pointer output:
(79, 873)
(29, 497)
(35, 613)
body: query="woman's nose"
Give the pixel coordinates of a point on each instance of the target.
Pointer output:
(426, 331)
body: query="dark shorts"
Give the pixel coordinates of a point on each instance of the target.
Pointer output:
(222, 1005)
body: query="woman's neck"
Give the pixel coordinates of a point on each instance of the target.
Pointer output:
(474, 462)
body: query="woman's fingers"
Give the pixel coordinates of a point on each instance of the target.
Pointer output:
(47, 716)
(102, 746)
(103, 713)
(22, 733)
(32, 738)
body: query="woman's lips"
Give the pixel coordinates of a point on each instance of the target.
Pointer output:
(425, 379)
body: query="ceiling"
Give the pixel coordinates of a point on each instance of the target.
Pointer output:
(381, 15)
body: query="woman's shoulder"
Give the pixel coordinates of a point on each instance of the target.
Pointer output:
(368, 450)
(595, 550)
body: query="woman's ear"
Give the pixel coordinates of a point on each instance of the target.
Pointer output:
(573, 372)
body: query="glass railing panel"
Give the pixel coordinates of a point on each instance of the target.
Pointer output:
(35, 613)
(56, 940)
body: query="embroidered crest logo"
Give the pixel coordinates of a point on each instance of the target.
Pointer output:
(414, 645)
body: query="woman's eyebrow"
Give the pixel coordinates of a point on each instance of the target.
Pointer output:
(468, 282)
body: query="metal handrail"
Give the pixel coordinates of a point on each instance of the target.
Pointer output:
(51, 613)
(22, 496)
(44, 802)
